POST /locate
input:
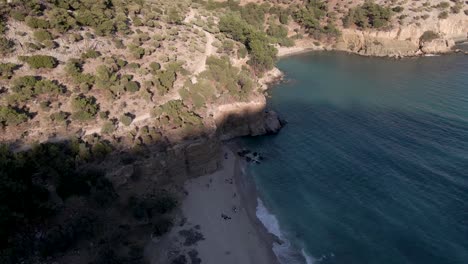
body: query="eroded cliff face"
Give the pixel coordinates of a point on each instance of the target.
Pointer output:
(174, 164)
(192, 158)
(246, 119)
(405, 40)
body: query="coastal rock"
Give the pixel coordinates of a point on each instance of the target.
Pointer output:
(273, 123)
(403, 41)
(246, 119)
(437, 46)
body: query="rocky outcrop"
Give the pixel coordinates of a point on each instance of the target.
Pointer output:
(437, 46)
(246, 119)
(405, 40)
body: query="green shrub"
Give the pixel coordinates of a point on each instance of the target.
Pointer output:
(108, 127)
(35, 22)
(60, 19)
(90, 54)
(166, 81)
(6, 45)
(284, 17)
(59, 117)
(136, 51)
(26, 87)
(42, 35)
(155, 66)
(174, 113)
(443, 15)
(428, 36)
(398, 9)
(443, 5)
(11, 117)
(126, 119)
(174, 16)
(132, 86)
(7, 70)
(85, 108)
(40, 61)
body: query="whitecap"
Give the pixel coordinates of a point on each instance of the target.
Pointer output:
(285, 252)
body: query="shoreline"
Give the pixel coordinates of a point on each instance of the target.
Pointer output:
(217, 222)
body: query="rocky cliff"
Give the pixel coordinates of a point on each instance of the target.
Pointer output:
(405, 40)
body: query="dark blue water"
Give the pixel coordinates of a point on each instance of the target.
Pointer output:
(373, 164)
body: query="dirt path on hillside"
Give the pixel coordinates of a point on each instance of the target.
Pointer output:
(174, 94)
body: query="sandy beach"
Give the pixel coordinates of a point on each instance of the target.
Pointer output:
(219, 224)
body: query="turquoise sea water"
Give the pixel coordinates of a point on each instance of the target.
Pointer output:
(372, 166)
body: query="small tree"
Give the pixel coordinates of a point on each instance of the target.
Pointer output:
(11, 117)
(40, 61)
(85, 108)
(42, 35)
(132, 86)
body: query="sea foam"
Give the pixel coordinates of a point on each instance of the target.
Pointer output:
(285, 252)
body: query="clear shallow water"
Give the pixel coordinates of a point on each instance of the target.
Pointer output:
(373, 164)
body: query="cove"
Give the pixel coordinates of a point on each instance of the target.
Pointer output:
(372, 166)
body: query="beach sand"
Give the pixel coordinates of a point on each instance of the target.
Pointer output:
(239, 237)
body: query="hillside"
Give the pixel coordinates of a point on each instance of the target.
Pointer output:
(108, 106)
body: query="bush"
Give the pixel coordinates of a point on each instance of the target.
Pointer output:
(428, 36)
(26, 87)
(40, 61)
(132, 86)
(126, 119)
(456, 8)
(85, 108)
(136, 51)
(35, 22)
(11, 117)
(108, 127)
(174, 16)
(6, 45)
(155, 66)
(398, 9)
(61, 20)
(443, 15)
(7, 70)
(90, 54)
(42, 35)
(59, 117)
(443, 5)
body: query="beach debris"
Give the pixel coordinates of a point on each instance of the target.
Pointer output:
(234, 209)
(225, 217)
(194, 259)
(191, 236)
